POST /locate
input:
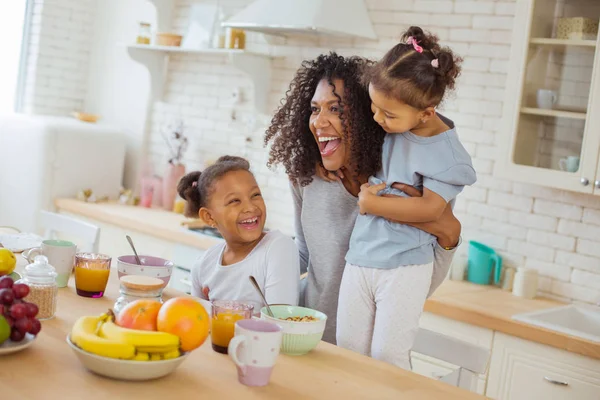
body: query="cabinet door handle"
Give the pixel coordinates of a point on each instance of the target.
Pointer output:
(585, 181)
(556, 382)
(597, 184)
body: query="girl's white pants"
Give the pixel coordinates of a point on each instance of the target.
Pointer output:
(379, 310)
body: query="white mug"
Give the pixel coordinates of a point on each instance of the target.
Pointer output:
(569, 164)
(60, 254)
(546, 99)
(254, 350)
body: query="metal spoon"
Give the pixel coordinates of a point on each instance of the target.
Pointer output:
(255, 284)
(137, 258)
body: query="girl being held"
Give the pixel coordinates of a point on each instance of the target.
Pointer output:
(226, 196)
(389, 265)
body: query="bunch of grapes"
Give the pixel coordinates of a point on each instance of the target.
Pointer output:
(19, 314)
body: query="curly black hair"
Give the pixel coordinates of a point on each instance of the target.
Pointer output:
(293, 144)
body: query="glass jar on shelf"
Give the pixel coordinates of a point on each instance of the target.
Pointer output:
(144, 33)
(138, 287)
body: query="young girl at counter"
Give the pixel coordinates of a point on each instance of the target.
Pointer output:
(226, 197)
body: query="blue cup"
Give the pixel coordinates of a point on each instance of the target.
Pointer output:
(484, 265)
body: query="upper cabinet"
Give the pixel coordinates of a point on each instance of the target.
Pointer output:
(551, 124)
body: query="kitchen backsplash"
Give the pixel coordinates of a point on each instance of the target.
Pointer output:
(553, 231)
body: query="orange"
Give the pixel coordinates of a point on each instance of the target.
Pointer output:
(186, 318)
(139, 314)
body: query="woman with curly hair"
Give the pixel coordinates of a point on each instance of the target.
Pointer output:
(325, 121)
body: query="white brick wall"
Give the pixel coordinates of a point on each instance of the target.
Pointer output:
(57, 61)
(553, 231)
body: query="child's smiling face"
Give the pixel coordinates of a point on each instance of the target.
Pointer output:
(236, 207)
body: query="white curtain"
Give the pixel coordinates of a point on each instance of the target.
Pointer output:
(12, 17)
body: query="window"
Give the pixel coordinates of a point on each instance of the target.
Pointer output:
(12, 24)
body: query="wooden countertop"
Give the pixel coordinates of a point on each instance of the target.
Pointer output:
(492, 308)
(479, 305)
(50, 369)
(159, 223)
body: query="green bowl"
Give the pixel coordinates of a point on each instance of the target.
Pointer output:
(298, 337)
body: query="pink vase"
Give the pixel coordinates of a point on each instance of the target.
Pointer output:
(169, 187)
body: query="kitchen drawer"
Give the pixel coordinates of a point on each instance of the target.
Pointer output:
(459, 330)
(181, 280)
(435, 369)
(524, 370)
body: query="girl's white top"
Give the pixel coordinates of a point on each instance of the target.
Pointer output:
(274, 262)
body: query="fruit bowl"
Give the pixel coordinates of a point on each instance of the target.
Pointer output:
(10, 347)
(127, 370)
(151, 266)
(298, 337)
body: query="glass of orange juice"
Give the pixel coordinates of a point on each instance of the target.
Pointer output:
(91, 274)
(224, 315)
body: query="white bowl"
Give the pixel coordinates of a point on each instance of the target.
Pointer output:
(126, 370)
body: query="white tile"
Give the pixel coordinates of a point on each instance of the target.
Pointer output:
(556, 271)
(556, 209)
(528, 220)
(551, 239)
(511, 201)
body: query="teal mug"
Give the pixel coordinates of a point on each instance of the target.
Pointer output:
(484, 265)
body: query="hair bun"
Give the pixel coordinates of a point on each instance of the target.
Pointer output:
(188, 190)
(234, 159)
(449, 67)
(426, 40)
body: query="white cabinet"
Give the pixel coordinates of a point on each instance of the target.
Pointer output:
(434, 368)
(555, 145)
(524, 370)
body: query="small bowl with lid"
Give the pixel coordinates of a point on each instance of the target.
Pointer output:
(155, 267)
(138, 287)
(40, 276)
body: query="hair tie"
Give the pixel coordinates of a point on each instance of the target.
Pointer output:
(195, 184)
(435, 63)
(412, 41)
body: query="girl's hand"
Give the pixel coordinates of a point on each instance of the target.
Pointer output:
(366, 196)
(447, 228)
(205, 292)
(329, 176)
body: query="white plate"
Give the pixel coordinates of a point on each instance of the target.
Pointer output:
(19, 242)
(9, 346)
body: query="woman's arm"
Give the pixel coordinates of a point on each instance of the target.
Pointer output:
(282, 278)
(425, 208)
(299, 232)
(446, 228)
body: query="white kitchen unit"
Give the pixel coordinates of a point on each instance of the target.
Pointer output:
(552, 141)
(524, 370)
(113, 242)
(434, 368)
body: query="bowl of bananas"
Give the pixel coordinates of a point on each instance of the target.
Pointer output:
(122, 353)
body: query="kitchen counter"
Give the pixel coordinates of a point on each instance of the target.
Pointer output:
(326, 372)
(493, 308)
(479, 305)
(155, 222)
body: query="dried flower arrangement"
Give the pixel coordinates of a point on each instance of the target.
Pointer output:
(177, 142)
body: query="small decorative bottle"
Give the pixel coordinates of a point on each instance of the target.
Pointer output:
(40, 276)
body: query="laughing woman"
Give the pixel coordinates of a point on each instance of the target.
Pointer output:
(326, 121)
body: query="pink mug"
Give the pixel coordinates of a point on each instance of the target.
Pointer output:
(254, 350)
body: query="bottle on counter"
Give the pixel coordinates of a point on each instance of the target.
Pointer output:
(137, 287)
(525, 283)
(40, 276)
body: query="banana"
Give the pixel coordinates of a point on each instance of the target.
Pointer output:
(141, 356)
(157, 349)
(171, 354)
(84, 335)
(138, 338)
(155, 357)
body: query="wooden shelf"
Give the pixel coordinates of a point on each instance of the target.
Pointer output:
(175, 49)
(563, 42)
(553, 113)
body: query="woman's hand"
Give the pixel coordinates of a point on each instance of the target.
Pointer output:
(447, 228)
